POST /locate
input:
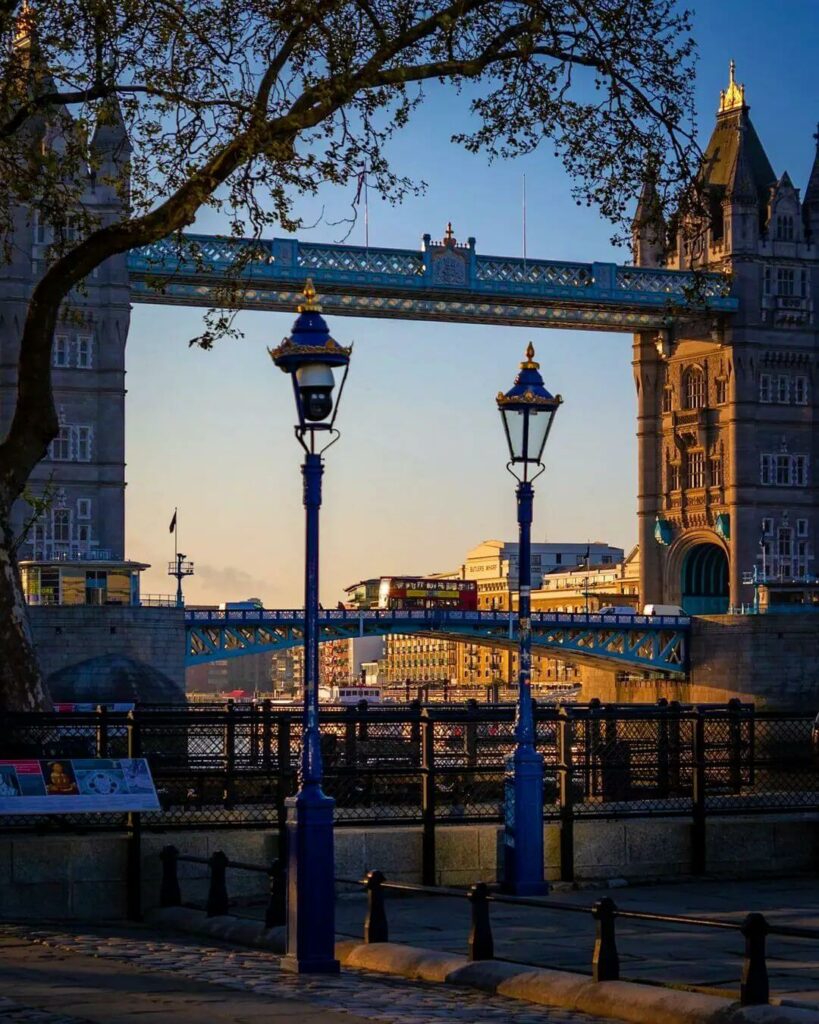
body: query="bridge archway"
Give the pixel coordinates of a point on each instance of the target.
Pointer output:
(704, 580)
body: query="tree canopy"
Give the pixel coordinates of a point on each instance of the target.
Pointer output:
(244, 105)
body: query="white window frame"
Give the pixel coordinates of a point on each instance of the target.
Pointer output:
(801, 527)
(765, 389)
(695, 470)
(83, 508)
(65, 519)
(800, 390)
(694, 388)
(767, 526)
(83, 443)
(783, 389)
(84, 352)
(783, 470)
(721, 390)
(766, 469)
(60, 448)
(717, 475)
(799, 470)
(61, 351)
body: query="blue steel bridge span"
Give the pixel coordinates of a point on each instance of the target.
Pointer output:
(442, 281)
(651, 643)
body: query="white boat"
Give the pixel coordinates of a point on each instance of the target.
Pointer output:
(349, 694)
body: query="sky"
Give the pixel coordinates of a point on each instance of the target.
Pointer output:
(418, 477)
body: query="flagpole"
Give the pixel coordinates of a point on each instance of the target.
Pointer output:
(366, 210)
(524, 223)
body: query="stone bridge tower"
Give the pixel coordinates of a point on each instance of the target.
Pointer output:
(728, 447)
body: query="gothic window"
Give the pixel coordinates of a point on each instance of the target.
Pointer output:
(694, 388)
(83, 444)
(766, 281)
(765, 391)
(800, 567)
(801, 527)
(61, 526)
(799, 470)
(60, 448)
(800, 390)
(695, 470)
(783, 470)
(722, 391)
(83, 350)
(783, 388)
(784, 548)
(668, 398)
(60, 350)
(784, 228)
(83, 508)
(716, 472)
(784, 281)
(767, 527)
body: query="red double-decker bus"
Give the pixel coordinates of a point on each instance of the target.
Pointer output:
(420, 592)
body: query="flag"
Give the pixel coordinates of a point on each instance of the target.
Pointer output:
(362, 177)
(172, 527)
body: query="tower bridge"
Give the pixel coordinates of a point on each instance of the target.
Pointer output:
(658, 644)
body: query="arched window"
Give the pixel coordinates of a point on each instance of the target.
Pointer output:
(694, 388)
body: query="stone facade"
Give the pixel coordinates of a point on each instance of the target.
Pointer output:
(726, 411)
(85, 466)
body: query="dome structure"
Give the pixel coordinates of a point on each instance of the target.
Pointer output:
(113, 678)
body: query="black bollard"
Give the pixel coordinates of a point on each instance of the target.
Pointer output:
(605, 961)
(169, 893)
(276, 912)
(753, 989)
(375, 924)
(217, 904)
(481, 946)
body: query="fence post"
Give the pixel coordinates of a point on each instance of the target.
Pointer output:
(230, 752)
(267, 738)
(753, 989)
(102, 731)
(283, 781)
(375, 923)
(735, 744)
(605, 961)
(481, 946)
(217, 904)
(276, 912)
(169, 892)
(565, 729)
(592, 749)
(133, 867)
(698, 802)
(663, 780)
(428, 798)
(415, 731)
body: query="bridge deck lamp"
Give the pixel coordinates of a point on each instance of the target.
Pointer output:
(527, 411)
(310, 355)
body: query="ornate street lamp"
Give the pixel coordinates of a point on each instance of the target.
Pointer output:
(527, 411)
(310, 356)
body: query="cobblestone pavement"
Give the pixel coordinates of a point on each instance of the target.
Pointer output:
(12, 1012)
(365, 994)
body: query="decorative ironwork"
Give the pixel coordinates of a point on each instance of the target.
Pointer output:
(659, 643)
(442, 281)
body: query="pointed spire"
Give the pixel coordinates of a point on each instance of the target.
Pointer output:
(741, 186)
(812, 191)
(732, 98)
(648, 227)
(110, 140)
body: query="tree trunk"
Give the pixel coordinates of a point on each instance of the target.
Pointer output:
(21, 682)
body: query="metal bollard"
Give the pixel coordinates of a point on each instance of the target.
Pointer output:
(753, 989)
(169, 892)
(375, 924)
(217, 904)
(276, 912)
(605, 961)
(481, 946)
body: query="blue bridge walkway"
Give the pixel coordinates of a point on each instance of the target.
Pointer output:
(656, 643)
(441, 280)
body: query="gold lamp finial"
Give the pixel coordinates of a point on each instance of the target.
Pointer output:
(529, 362)
(311, 303)
(732, 98)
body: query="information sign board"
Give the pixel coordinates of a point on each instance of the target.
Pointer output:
(59, 785)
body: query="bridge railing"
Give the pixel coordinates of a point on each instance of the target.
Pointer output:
(233, 766)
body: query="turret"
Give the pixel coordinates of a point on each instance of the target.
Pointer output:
(810, 207)
(740, 205)
(648, 228)
(110, 151)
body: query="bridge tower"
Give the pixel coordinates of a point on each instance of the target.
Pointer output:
(84, 472)
(727, 445)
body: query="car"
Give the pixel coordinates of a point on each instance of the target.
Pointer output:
(663, 609)
(617, 609)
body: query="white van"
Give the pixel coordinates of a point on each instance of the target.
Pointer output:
(662, 609)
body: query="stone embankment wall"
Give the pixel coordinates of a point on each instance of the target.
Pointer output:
(83, 877)
(771, 660)
(68, 635)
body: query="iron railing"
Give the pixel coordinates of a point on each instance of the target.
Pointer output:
(233, 766)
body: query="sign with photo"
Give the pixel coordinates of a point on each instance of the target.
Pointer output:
(58, 785)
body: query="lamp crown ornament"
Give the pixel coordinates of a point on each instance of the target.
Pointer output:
(309, 340)
(311, 303)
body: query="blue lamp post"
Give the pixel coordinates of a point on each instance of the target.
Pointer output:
(527, 411)
(310, 355)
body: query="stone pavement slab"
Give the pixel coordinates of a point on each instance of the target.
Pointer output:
(120, 976)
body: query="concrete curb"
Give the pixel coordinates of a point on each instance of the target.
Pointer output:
(619, 1000)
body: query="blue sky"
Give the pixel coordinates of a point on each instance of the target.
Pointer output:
(418, 476)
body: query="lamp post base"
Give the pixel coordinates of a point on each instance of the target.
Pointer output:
(311, 932)
(523, 824)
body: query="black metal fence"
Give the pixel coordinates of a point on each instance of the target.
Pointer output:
(233, 765)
